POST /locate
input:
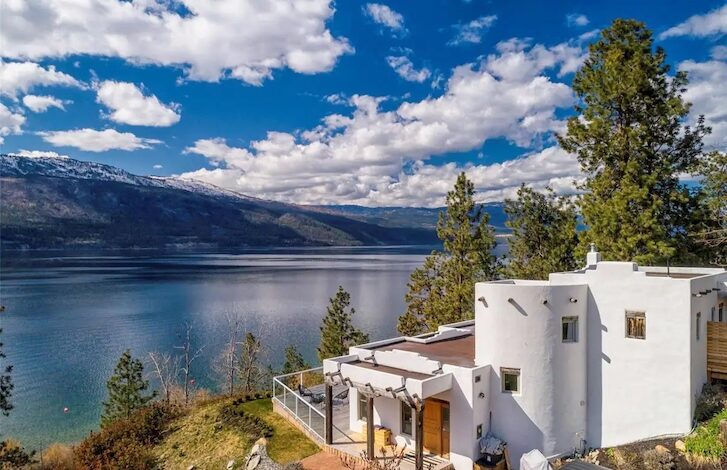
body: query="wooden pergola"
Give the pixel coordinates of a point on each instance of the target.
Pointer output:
(370, 392)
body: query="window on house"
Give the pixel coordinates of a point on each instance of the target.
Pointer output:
(721, 312)
(406, 419)
(362, 408)
(570, 329)
(699, 324)
(510, 380)
(711, 318)
(636, 325)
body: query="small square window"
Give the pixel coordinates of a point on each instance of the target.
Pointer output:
(362, 407)
(510, 380)
(635, 325)
(570, 329)
(477, 378)
(406, 419)
(479, 431)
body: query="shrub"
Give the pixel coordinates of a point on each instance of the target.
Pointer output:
(234, 416)
(658, 460)
(124, 444)
(293, 466)
(704, 446)
(12, 455)
(58, 457)
(709, 403)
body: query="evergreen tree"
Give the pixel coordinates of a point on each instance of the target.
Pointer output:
(423, 296)
(337, 330)
(6, 383)
(442, 290)
(294, 361)
(544, 234)
(712, 232)
(126, 390)
(632, 145)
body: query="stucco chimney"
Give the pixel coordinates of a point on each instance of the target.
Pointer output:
(593, 256)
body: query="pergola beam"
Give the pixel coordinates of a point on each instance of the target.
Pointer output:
(329, 414)
(370, 451)
(419, 437)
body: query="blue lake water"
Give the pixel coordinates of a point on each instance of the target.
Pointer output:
(69, 316)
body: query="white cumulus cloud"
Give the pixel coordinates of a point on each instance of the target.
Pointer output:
(708, 24)
(40, 104)
(242, 39)
(374, 156)
(21, 77)
(577, 19)
(708, 94)
(404, 67)
(10, 122)
(472, 32)
(92, 140)
(385, 16)
(129, 105)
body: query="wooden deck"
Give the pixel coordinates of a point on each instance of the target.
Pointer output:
(716, 350)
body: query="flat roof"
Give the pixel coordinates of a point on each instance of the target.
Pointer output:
(458, 351)
(391, 370)
(675, 275)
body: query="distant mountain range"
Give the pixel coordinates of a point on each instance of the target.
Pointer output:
(65, 203)
(420, 217)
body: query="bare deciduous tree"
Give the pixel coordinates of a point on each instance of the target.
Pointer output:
(165, 368)
(251, 369)
(189, 354)
(227, 364)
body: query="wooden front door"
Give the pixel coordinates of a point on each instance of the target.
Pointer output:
(436, 427)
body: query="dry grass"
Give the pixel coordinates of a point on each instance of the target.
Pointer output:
(58, 457)
(288, 444)
(199, 439)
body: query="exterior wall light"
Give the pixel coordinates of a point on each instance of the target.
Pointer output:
(573, 300)
(545, 301)
(482, 299)
(481, 395)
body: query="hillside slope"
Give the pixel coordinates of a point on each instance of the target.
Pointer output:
(66, 203)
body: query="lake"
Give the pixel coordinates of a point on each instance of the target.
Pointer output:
(69, 316)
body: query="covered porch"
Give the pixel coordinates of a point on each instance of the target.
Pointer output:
(412, 387)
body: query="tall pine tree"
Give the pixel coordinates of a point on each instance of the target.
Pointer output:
(632, 145)
(294, 361)
(442, 290)
(126, 390)
(711, 233)
(544, 236)
(337, 331)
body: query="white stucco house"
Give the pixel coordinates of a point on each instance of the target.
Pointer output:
(602, 356)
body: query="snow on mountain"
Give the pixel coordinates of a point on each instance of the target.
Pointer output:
(64, 167)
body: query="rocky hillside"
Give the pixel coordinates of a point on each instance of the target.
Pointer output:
(67, 203)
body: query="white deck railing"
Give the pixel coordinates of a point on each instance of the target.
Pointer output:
(304, 412)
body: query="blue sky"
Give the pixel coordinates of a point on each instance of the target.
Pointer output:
(321, 102)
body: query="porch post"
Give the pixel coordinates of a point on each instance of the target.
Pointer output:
(370, 451)
(419, 437)
(329, 414)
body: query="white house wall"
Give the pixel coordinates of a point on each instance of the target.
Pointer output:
(549, 412)
(637, 388)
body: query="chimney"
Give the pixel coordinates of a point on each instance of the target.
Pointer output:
(593, 256)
